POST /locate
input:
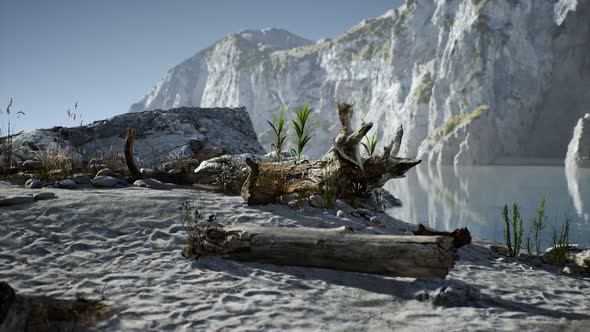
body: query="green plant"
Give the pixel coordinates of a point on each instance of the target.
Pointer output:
(561, 243)
(370, 144)
(328, 189)
(513, 242)
(539, 225)
(278, 126)
(302, 130)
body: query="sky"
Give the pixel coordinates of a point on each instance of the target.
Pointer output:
(105, 55)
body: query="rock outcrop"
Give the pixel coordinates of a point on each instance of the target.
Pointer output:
(161, 135)
(578, 151)
(472, 81)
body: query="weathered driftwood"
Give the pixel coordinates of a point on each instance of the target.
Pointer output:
(461, 236)
(129, 140)
(338, 248)
(342, 167)
(183, 177)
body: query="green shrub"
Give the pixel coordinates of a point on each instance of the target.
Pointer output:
(561, 243)
(278, 128)
(514, 241)
(302, 129)
(328, 189)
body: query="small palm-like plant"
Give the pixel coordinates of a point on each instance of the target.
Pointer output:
(513, 242)
(278, 128)
(302, 129)
(370, 144)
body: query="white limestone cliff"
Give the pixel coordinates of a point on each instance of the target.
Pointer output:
(471, 81)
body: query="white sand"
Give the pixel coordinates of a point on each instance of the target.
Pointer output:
(130, 239)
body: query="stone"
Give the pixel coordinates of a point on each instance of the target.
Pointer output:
(529, 259)
(286, 198)
(298, 204)
(109, 172)
(316, 201)
(365, 213)
(342, 205)
(81, 178)
(427, 64)
(105, 181)
(16, 200)
(582, 259)
(33, 184)
(341, 214)
(572, 268)
(44, 196)
(31, 165)
(499, 249)
(146, 171)
(456, 295)
(66, 184)
(578, 150)
(153, 184)
(311, 209)
(377, 221)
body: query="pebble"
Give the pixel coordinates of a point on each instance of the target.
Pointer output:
(44, 196)
(341, 214)
(33, 184)
(16, 200)
(109, 172)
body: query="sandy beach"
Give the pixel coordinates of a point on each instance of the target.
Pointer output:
(125, 244)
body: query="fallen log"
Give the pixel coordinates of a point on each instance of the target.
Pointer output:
(336, 248)
(342, 168)
(461, 236)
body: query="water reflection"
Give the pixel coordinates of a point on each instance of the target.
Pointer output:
(447, 198)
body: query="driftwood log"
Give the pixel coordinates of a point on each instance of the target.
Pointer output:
(342, 167)
(461, 236)
(337, 248)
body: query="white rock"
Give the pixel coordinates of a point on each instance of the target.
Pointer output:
(341, 214)
(578, 151)
(33, 184)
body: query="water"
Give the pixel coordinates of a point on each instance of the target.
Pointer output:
(446, 198)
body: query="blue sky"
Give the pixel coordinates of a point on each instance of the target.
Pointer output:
(105, 55)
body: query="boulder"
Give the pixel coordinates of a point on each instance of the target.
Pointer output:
(153, 184)
(31, 165)
(160, 134)
(103, 181)
(33, 184)
(66, 184)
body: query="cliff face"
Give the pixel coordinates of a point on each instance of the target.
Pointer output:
(472, 81)
(578, 152)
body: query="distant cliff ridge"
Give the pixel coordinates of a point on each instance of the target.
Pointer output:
(472, 81)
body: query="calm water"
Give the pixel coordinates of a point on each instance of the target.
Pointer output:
(446, 198)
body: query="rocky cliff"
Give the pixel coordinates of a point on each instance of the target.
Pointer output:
(161, 136)
(578, 152)
(472, 81)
